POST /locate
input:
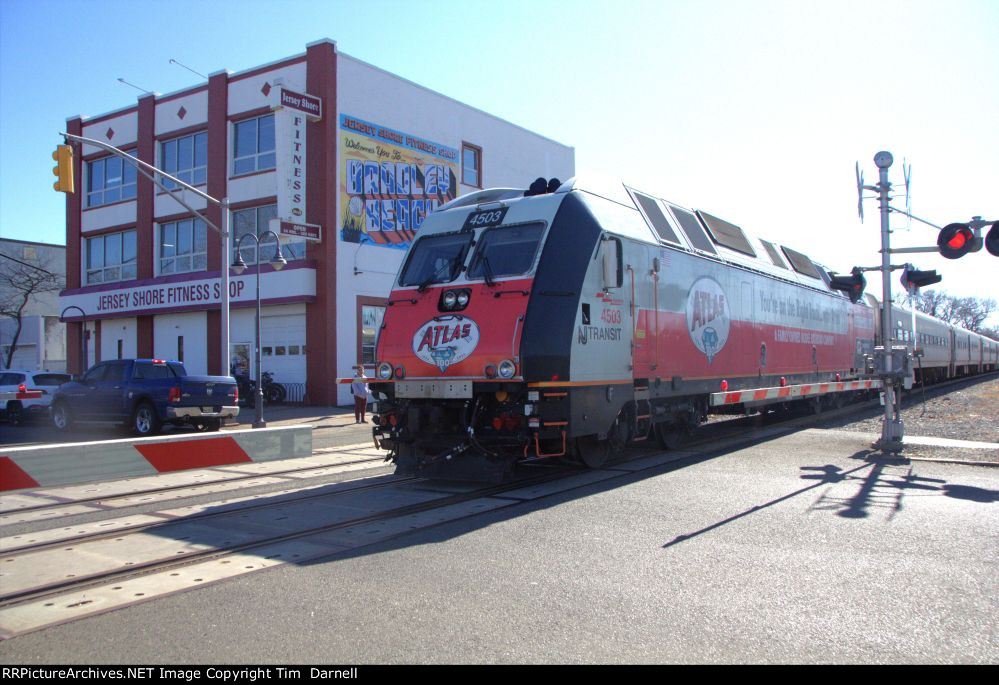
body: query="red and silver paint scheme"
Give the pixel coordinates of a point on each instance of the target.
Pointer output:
(565, 322)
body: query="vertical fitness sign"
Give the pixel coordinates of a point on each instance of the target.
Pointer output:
(291, 114)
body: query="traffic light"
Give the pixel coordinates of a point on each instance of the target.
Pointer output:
(63, 155)
(956, 240)
(911, 278)
(852, 285)
(992, 239)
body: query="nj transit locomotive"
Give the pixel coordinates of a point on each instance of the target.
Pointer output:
(568, 320)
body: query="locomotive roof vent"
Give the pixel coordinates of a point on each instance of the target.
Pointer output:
(542, 187)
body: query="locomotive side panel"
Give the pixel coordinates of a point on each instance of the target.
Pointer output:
(702, 320)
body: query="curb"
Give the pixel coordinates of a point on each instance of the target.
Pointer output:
(86, 462)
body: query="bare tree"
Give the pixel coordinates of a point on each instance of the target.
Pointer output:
(967, 312)
(19, 283)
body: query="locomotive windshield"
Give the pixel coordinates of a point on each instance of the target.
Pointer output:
(436, 259)
(506, 251)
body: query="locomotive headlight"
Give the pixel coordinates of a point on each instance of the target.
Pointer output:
(384, 371)
(462, 298)
(507, 368)
(450, 299)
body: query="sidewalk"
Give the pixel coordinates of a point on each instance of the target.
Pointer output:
(294, 415)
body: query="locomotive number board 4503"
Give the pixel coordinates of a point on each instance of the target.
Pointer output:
(483, 218)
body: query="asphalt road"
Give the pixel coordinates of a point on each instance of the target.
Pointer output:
(800, 549)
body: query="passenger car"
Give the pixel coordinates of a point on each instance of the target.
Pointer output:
(17, 411)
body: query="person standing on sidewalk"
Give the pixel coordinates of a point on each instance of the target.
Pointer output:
(359, 389)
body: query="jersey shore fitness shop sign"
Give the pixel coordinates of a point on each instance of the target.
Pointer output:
(390, 181)
(290, 284)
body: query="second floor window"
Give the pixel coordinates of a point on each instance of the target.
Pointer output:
(471, 165)
(109, 180)
(183, 246)
(253, 147)
(110, 257)
(185, 158)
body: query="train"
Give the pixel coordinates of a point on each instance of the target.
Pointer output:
(567, 320)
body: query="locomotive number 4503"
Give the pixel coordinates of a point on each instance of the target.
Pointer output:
(481, 219)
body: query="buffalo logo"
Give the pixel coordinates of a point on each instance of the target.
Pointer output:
(708, 318)
(446, 340)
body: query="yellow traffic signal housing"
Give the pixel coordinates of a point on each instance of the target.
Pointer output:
(63, 155)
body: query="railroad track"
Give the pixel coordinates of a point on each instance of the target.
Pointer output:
(141, 560)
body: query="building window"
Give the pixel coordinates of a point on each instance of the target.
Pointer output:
(183, 246)
(256, 220)
(110, 179)
(185, 158)
(370, 312)
(253, 148)
(471, 165)
(110, 258)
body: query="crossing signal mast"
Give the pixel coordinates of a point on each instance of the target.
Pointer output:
(953, 242)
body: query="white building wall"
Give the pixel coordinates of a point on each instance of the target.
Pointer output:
(124, 130)
(104, 217)
(508, 151)
(194, 107)
(113, 330)
(193, 326)
(247, 93)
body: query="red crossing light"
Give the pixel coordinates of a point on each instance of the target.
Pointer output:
(992, 239)
(955, 240)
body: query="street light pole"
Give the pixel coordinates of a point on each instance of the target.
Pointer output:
(225, 360)
(239, 266)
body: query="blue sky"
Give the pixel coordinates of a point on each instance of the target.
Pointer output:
(754, 111)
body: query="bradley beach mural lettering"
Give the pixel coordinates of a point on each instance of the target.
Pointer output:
(390, 181)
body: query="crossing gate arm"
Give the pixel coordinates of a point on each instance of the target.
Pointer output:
(721, 399)
(27, 395)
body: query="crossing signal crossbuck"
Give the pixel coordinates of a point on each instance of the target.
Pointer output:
(63, 170)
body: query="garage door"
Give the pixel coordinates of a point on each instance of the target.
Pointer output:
(282, 347)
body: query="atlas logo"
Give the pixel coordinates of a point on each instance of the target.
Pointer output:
(446, 340)
(708, 319)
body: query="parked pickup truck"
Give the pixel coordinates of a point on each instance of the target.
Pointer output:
(143, 394)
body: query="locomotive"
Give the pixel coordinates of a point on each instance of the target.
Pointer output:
(569, 319)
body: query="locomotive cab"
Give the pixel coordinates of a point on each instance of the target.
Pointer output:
(452, 392)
